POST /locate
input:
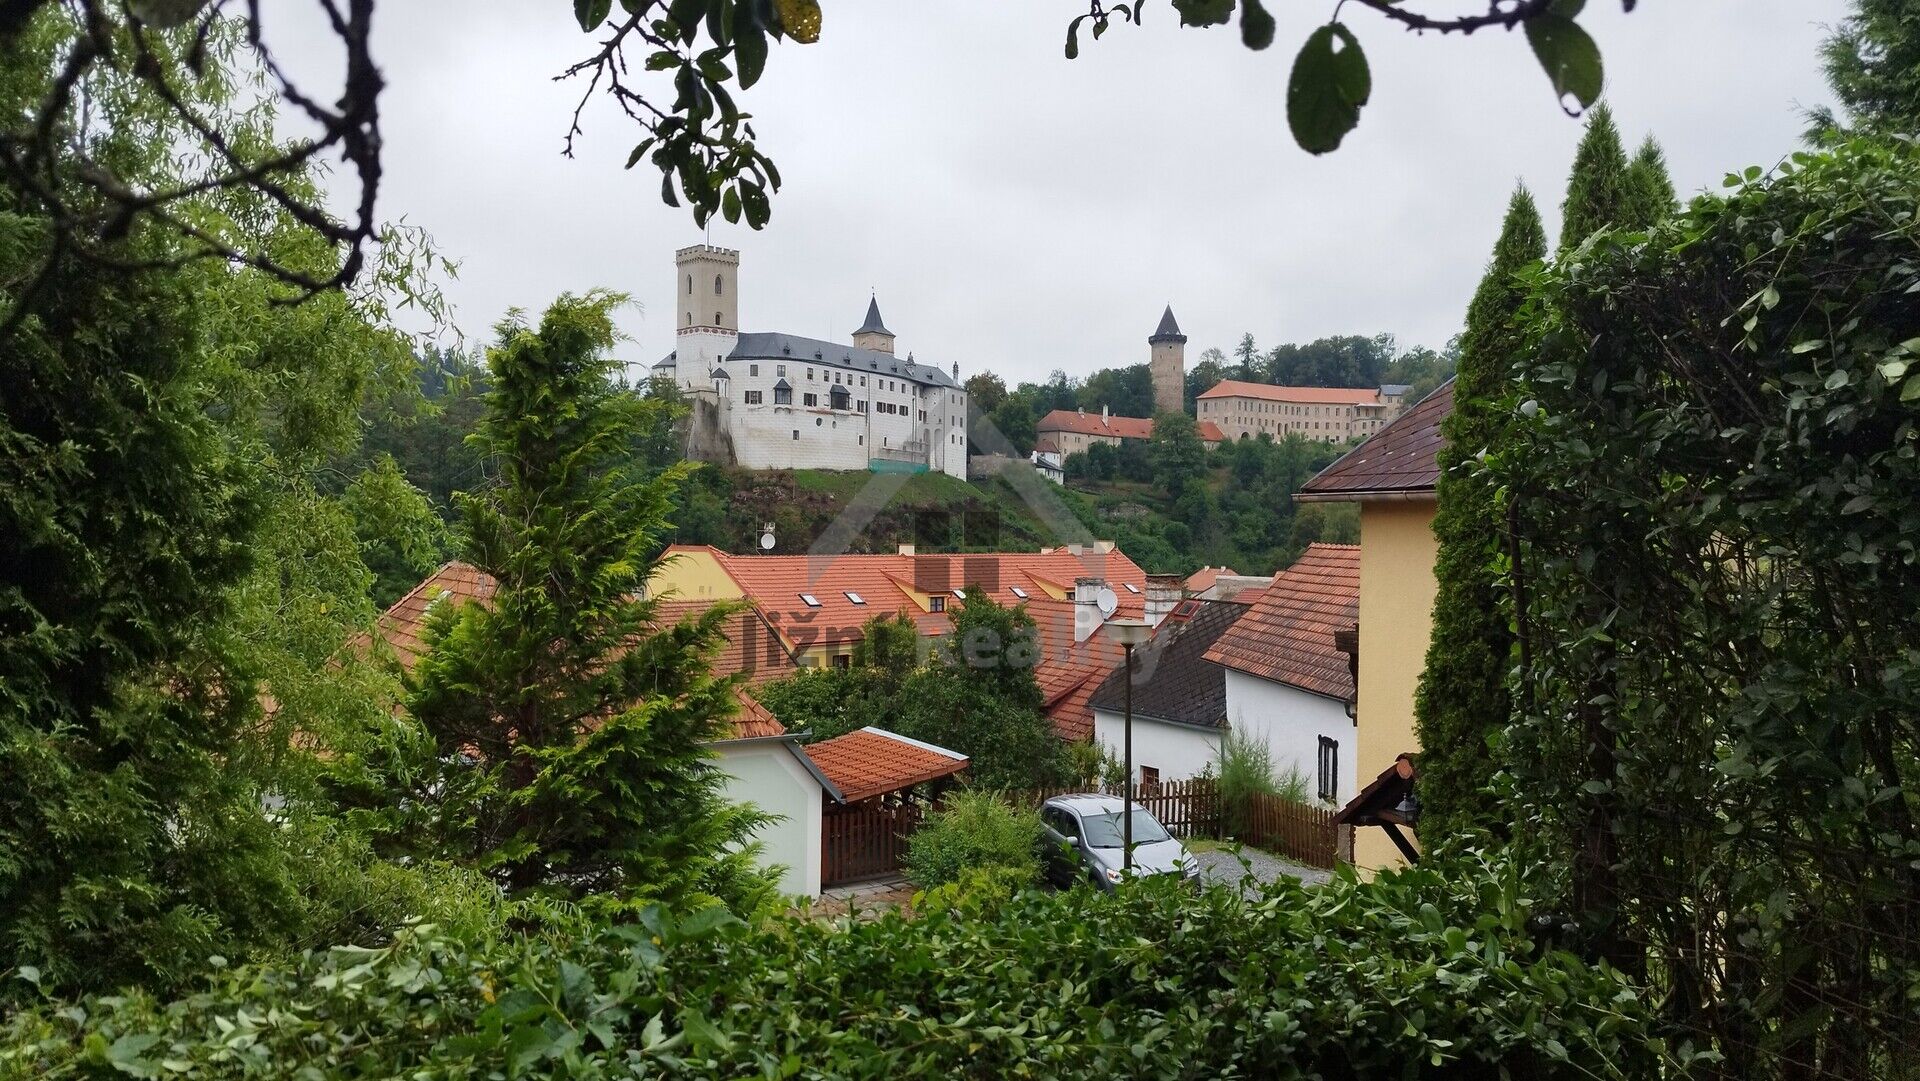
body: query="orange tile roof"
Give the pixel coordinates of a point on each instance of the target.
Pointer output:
(1235, 388)
(874, 761)
(1069, 672)
(1401, 459)
(1202, 580)
(1076, 420)
(1288, 634)
(885, 583)
(750, 646)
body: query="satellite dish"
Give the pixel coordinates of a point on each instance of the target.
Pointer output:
(766, 542)
(1107, 602)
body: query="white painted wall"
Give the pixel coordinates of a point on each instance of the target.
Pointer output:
(1176, 750)
(1291, 721)
(766, 775)
(1288, 720)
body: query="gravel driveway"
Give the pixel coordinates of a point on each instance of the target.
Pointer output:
(1222, 865)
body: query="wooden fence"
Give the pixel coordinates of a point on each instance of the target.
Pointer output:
(1191, 809)
(865, 840)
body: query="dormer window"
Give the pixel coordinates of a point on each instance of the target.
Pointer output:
(810, 600)
(937, 604)
(855, 597)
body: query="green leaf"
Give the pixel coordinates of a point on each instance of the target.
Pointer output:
(1837, 379)
(1203, 12)
(591, 13)
(166, 14)
(1570, 58)
(750, 51)
(639, 149)
(1911, 390)
(1327, 89)
(1256, 25)
(703, 1033)
(1073, 38)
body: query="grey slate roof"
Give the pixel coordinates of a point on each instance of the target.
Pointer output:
(719, 373)
(1167, 329)
(1173, 680)
(873, 322)
(793, 347)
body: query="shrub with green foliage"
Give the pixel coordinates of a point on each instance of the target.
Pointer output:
(1428, 972)
(973, 831)
(1717, 492)
(1243, 768)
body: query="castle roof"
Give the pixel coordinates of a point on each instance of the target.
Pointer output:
(1168, 330)
(1236, 388)
(873, 325)
(794, 347)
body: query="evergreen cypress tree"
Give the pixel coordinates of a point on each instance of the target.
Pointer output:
(1462, 697)
(1599, 192)
(573, 724)
(1652, 197)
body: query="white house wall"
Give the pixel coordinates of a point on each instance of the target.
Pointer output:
(1290, 721)
(1176, 750)
(766, 775)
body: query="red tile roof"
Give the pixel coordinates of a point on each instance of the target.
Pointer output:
(873, 761)
(1069, 672)
(776, 585)
(1085, 423)
(1398, 460)
(1234, 388)
(1288, 634)
(1202, 580)
(750, 646)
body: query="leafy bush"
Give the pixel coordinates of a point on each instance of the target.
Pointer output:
(974, 829)
(1244, 769)
(1429, 969)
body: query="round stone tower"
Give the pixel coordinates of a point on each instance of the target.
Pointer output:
(1169, 364)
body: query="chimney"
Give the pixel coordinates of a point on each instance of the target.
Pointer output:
(906, 549)
(1164, 593)
(1102, 547)
(1086, 608)
(1103, 412)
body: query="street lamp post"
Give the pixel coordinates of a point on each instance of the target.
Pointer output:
(1129, 633)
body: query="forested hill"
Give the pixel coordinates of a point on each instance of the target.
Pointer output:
(1172, 506)
(1346, 361)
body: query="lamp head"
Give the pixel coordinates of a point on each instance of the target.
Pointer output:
(1128, 632)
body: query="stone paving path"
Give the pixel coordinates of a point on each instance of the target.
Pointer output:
(1223, 865)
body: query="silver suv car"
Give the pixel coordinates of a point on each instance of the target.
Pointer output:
(1082, 839)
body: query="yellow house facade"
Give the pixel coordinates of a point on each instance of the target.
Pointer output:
(1391, 476)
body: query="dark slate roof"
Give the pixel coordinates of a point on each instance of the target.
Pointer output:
(1168, 329)
(1394, 390)
(782, 384)
(793, 347)
(1173, 680)
(719, 373)
(1398, 460)
(873, 322)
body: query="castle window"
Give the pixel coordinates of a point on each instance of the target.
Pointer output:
(754, 397)
(717, 290)
(861, 405)
(809, 373)
(780, 370)
(811, 400)
(816, 422)
(840, 398)
(716, 320)
(782, 394)
(796, 433)
(753, 369)
(689, 293)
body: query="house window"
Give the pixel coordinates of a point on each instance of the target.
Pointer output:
(1149, 778)
(1329, 768)
(937, 604)
(843, 661)
(754, 396)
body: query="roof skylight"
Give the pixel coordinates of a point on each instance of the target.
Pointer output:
(1018, 592)
(855, 597)
(812, 601)
(960, 593)
(1131, 588)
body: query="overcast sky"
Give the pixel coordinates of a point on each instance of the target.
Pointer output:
(1019, 212)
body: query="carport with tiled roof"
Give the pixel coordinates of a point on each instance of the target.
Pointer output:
(886, 783)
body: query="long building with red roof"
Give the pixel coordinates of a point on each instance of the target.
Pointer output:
(1242, 410)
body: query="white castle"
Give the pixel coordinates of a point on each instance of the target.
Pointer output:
(781, 401)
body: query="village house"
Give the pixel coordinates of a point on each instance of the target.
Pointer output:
(1179, 698)
(1392, 477)
(1243, 410)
